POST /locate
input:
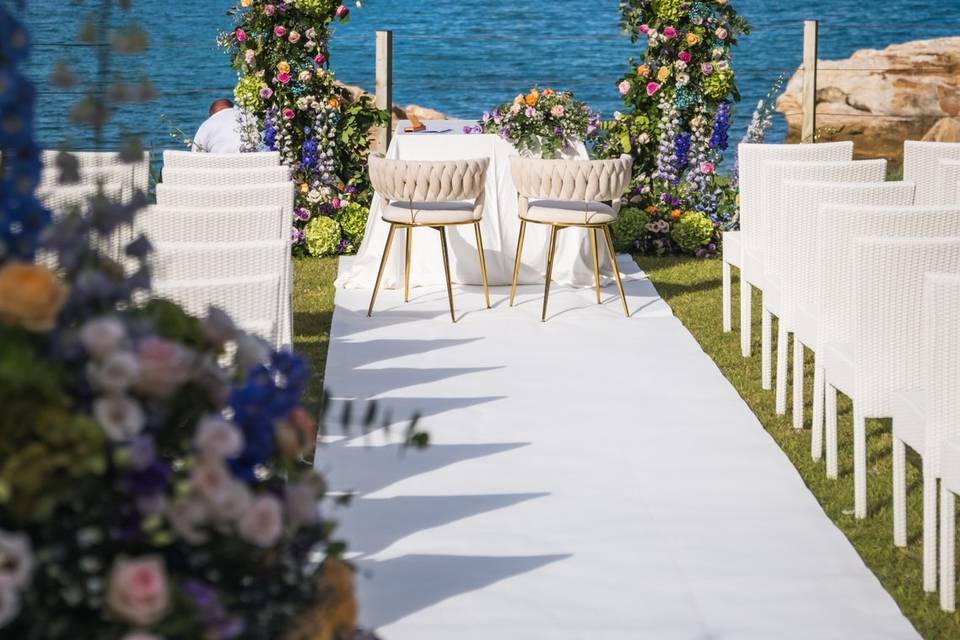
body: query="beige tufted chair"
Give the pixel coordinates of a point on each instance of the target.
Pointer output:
(570, 193)
(429, 194)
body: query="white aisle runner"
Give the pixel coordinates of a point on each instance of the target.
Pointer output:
(591, 478)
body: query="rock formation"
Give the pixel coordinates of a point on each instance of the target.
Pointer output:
(879, 98)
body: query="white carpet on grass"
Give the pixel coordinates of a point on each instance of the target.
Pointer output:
(593, 477)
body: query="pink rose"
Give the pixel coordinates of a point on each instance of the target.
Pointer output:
(269, 9)
(212, 481)
(187, 516)
(320, 58)
(279, 31)
(685, 56)
(241, 35)
(625, 87)
(558, 111)
(706, 168)
(294, 37)
(652, 88)
(250, 57)
(289, 113)
(342, 12)
(164, 366)
(643, 28)
(218, 437)
(669, 33)
(305, 76)
(138, 590)
(706, 68)
(262, 524)
(721, 33)
(335, 203)
(266, 92)
(283, 78)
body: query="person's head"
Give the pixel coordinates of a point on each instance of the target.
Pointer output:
(220, 105)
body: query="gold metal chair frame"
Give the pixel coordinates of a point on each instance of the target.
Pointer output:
(446, 260)
(554, 230)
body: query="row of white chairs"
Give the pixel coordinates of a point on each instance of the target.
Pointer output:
(221, 237)
(844, 259)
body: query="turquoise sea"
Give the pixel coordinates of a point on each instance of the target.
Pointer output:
(457, 56)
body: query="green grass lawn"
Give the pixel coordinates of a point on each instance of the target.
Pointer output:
(692, 288)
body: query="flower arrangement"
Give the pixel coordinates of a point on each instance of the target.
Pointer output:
(679, 102)
(540, 123)
(280, 49)
(150, 486)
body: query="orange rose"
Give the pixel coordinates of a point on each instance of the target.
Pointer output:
(548, 92)
(283, 67)
(30, 295)
(663, 73)
(693, 39)
(643, 71)
(650, 209)
(675, 214)
(532, 98)
(333, 102)
(304, 187)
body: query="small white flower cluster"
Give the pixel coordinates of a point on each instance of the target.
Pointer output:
(16, 565)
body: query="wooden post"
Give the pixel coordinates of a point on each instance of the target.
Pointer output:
(809, 127)
(384, 99)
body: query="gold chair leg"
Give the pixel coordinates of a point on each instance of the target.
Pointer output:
(483, 263)
(516, 263)
(383, 264)
(596, 259)
(406, 266)
(446, 269)
(616, 271)
(546, 291)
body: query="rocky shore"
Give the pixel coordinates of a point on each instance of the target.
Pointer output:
(880, 97)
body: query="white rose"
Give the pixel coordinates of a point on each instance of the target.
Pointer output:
(212, 481)
(9, 603)
(187, 515)
(236, 503)
(101, 336)
(116, 373)
(643, 138)
(262, 524)
(121, 417)
(218, 438)
(16, 559)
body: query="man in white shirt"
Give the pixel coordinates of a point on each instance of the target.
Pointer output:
(220, 132)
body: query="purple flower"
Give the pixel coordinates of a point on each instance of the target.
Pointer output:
(302, 213)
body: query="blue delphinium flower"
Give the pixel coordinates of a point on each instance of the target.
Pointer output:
(719, 138)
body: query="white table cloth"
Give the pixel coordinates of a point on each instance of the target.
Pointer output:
(500, 225)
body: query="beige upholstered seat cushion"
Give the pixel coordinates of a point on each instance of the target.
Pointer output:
(429, 213)
(570, 212)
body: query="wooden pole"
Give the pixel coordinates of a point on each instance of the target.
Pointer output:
(384, 90)
(810, 36)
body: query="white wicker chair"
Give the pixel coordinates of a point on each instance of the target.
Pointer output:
(180, 224)
(881, 355)
(204, 274)
(786, 220)
(189, 177)
(62, 200)
(924, 425)
(948, 180)
(753, 161)
(921, 162)
(833, 311)
(941, 377)
(94, 166)
(219, 161)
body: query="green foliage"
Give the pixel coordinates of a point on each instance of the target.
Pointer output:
(322, 236)
(353, 221)
(717, 85)
(629, 226)
(692, 231)
(669, 10)
(247, 93)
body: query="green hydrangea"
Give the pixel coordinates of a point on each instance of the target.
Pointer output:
(670, 10)
(353, 221)
(247, 93)
(718, 84)
(318, 8)
(322, 236)
(692, 231)
(629, 226)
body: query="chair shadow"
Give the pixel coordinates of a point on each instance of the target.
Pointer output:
(400, 587)
(373, 524)
(356, 353)
(363, 470)
(389, 412)
(369, 383)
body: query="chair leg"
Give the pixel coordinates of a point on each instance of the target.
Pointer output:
(727, 279)
(483, 263)
(406, 265)
(929, 529)
(616, 270)
(766, 350)
(900, 493)
(783, 357)
(446, 269)
(546, 291)
(831, 413)
(859, 465)
(947, 541)
(797, 383)
(516, 262)
(816, 424)
(383, 264)
(745, 312)
(596, 259)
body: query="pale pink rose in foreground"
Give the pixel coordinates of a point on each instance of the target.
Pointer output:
(102, 336)
(625, 87)
(706, 168)
(164, 366)
(115, 373)
(262, 524)
(212, 481)
(237, 502)
(305, 76)
(120, 417)
(187, 516)
(557, 111)
(294, 37)
(279, 31)
(16, 559)
(721, 33)
(218, 437)
(138, 590)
